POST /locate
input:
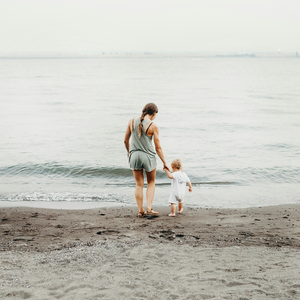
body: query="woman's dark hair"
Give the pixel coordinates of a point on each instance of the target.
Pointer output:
(149, 109)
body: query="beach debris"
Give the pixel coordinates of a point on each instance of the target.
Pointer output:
(246, 234)
(167, 234)
(109, 231)
(232, 270)
(179, 235)
(19, 294)
(30, 239)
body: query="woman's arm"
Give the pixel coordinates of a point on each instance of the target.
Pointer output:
(127, 137)
(158, 148)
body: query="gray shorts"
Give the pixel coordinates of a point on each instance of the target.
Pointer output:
(139, 160)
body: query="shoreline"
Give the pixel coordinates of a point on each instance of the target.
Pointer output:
(149, 54)
(86, 205)
(65, 205)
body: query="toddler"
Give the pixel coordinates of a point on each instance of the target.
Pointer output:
(178, 188)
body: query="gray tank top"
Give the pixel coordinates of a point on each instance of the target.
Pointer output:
(143, 143)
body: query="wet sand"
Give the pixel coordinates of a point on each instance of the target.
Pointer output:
(109, 253)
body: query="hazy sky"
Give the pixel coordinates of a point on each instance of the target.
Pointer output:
(149, 25)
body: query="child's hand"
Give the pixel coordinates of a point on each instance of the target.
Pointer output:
(190, 190)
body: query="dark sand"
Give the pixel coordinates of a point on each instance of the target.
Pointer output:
(109, 253)
(48, 229)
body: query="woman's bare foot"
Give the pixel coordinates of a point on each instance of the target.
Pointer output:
(180, 211)
(171, 215)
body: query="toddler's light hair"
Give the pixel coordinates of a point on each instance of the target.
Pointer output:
(176, 164)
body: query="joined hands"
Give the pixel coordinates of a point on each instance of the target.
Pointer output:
(166, 168)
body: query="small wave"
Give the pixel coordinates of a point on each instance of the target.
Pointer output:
(60, 170)
(216, 182)
(279, 146)
(203, 182)
(276, 174)
(169, 183)
(267, 97)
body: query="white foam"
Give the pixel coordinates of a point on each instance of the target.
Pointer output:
(61, 204)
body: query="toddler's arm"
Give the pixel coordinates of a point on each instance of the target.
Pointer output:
(190, 186)
(170, 175)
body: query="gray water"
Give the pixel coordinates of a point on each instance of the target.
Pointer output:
(234, 123)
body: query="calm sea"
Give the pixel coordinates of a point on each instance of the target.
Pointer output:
(234, 123)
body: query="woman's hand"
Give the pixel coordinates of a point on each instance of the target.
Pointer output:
(166, 167)
(168, 172)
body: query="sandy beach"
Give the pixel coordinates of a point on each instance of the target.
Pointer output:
(109, 253)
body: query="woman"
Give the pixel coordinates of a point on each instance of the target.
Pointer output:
(141, 154)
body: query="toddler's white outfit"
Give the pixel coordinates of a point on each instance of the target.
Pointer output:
(178, 187)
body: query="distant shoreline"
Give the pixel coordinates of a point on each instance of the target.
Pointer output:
(150, 55)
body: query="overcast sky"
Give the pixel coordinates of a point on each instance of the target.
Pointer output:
(149, 25)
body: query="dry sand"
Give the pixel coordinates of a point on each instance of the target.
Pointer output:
(109, 253)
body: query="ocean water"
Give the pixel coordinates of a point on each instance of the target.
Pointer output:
(234, 123)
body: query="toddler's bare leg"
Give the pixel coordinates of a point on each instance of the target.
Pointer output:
(180, 207)
(173, 209)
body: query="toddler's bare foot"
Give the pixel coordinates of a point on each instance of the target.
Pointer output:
(180, 211)
(171, 215)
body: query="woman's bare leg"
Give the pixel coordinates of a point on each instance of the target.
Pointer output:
(139, 180)
(151, 188)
